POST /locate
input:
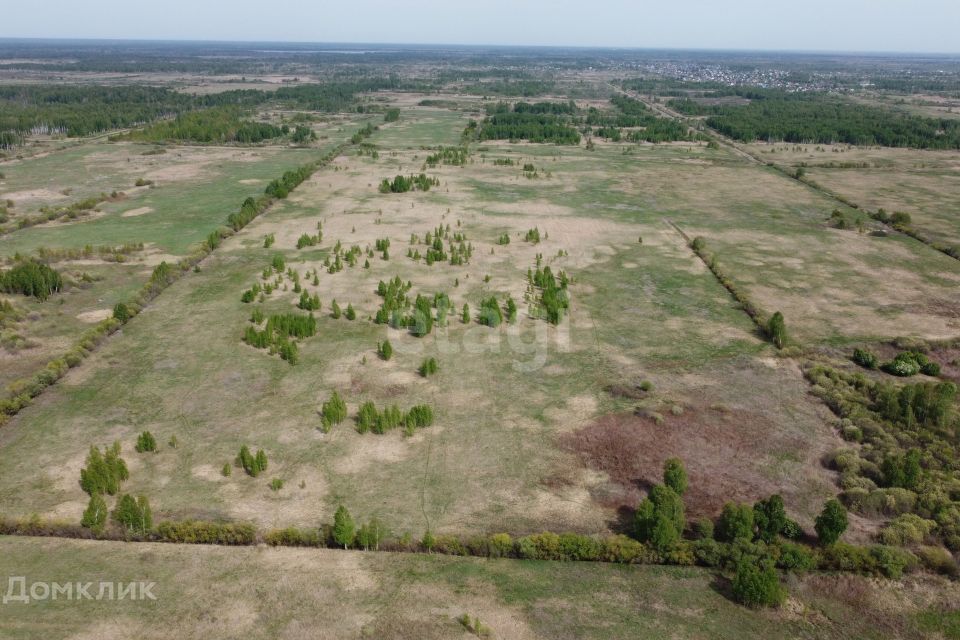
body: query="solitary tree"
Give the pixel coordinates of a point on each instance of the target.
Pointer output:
(832, 522)
(95, 514)
(343, 527)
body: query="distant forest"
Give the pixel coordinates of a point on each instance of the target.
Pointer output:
(819, 118)
(87, 110)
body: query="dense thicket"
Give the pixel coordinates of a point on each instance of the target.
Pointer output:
(220, 125)
(31, 279)
(823, 119)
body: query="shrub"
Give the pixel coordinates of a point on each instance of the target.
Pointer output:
(865, 358)
(736, 523)
(276, 484)
(200, 532)
(385, 350)
(777, 330)
(757, 585)
(500, 545)
(429, 367)
(770, 518)
(121, 312)
(906, 529)
(831, 523)
(703, 529)
(146, 442)
(796, 558)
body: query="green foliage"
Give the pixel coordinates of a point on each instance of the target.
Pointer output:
(134, 514)
(455, 156)
(95, 515)
(777, 330)
(910, 363)
(907, 529)
(525, 125)
(806, 117)
(553, 299)
(199, 532)
(757, 585)
(215, 125)
(344, 529)
(306, 240)
(121, 312)
(276, 484)
(490, 313)
(146, 442)
(675, 475)
(385, 350)
(104, 471)
(831, 523)
(428, 367)
(865, 358)
(308, 302)
(371, 534)
(333, 411)
(770, 518)
(31, 278)
(659, 518)
(403, 184)
(252, 464)
(736, 522)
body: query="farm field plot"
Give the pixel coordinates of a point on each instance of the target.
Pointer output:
(924, 184)
(189, 194)
(422, 597)
(529, 416)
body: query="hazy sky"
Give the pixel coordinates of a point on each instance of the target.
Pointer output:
(834, 25)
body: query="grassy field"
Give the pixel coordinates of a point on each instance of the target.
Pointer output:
(193, 190)
(215, 592)
(924, 184)
(519, 409)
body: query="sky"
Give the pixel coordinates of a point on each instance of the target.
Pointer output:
(921, 26)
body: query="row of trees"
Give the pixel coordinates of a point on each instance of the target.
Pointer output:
(370, 419)
(403, 184)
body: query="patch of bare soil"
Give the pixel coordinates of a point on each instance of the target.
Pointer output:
(724, 450)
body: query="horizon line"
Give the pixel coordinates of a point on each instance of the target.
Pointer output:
(848, 52)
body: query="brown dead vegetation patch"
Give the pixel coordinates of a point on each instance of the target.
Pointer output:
(724, 451)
